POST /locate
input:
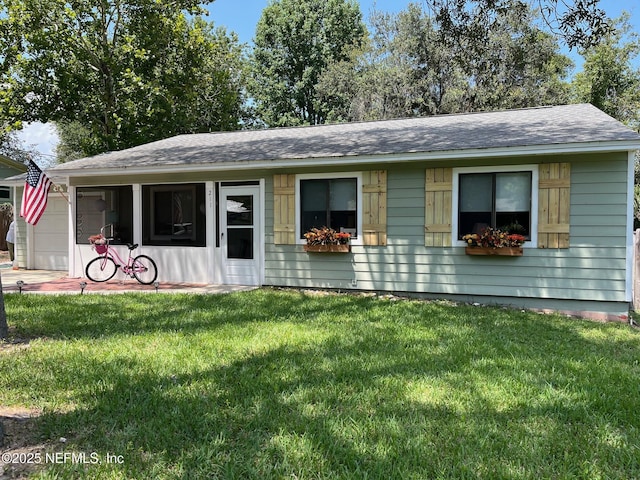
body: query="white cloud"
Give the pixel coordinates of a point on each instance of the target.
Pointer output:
(42, 136)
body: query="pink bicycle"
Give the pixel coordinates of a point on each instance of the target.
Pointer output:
(105, 266)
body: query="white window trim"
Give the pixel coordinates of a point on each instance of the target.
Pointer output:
(320, 176)
(533, 242)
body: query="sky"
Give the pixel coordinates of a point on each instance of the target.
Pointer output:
(241, 17)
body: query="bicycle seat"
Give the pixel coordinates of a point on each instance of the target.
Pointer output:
(132, 246)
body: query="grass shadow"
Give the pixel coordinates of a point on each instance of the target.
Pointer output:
(359, 388)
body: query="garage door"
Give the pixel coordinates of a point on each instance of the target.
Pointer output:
(51, 236)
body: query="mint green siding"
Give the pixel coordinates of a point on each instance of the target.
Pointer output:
(7, 170)
(592, 270)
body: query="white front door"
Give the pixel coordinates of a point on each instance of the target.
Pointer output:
(240, 235)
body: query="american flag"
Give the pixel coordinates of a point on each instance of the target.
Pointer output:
(36, 190)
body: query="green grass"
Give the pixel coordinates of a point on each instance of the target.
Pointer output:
(275, 384)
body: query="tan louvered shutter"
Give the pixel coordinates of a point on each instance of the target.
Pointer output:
(554, 189)
(284, 209)
(374, 209)
(437, 222)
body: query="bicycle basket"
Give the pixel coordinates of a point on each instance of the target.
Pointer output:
(101, 249)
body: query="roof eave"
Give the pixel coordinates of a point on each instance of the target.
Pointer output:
(533, 150)
(11, 163)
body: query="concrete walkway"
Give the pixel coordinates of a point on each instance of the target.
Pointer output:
(57, 282)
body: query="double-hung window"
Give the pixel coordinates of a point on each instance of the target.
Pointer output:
(498, 199)
(332, 202)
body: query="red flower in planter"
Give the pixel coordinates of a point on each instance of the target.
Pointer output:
(494, 238)
(515, 240)
(326, 236)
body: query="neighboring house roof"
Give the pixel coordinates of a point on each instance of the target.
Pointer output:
(13, 164)
(18, 180)
(557, 129)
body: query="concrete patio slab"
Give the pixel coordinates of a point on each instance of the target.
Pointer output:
(57, 282)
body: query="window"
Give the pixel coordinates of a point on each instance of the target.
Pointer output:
(173, 215)
(99, 206)
(240, 226)
(330, 202)
(500, 200)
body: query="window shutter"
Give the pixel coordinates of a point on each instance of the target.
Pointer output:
(284, 209)
(438, 192)
(374, 211)
(554, 201)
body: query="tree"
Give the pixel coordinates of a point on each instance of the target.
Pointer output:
(12, 147)
(128, 71)
(295, 41)
(608, 79)
(74, 139)
(514, 64)
(414, 67)
(367, 87)
(579, 23)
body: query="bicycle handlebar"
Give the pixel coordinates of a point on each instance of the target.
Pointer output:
(102, 229)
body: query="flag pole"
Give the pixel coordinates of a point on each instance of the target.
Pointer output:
(58, 188)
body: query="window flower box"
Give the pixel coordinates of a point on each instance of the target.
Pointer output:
(327, 248)
(504, 251)
(492, 241)
(327, 240)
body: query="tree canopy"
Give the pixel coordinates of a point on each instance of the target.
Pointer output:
(295, 41)
(580, 23)
(608, 80)
(126, 71)
(12, 147)
(415, 67)
(119, 73)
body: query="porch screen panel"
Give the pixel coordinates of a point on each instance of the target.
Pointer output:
(99, 206)
(174, 214)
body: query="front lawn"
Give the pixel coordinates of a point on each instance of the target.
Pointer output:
(280, 384)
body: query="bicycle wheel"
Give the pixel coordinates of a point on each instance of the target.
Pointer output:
(101, 269)
(144, 269)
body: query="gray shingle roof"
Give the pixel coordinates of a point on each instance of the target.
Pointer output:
(543, 126)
